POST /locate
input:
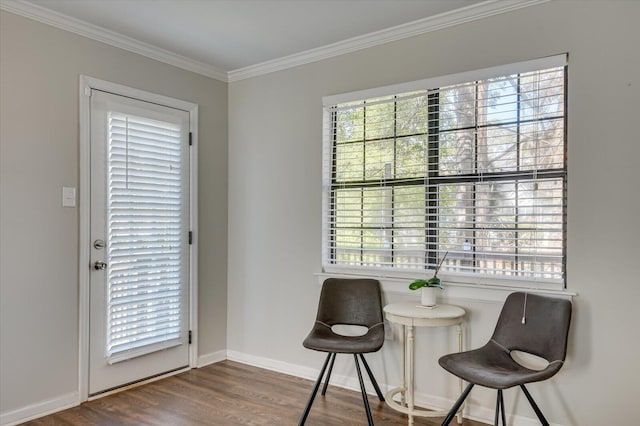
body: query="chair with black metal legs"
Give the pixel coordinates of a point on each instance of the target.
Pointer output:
(350, 302)
(530, 324)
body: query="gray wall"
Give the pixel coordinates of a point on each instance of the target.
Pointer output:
(275, 201)
(39, 77)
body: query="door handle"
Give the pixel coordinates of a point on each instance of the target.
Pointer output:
(99, 266)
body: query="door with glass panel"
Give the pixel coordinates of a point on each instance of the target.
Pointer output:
(139, 286)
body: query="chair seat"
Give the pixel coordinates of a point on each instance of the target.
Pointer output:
(492, 366)
(322, 338)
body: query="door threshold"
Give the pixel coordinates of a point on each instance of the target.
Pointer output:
(135, 384)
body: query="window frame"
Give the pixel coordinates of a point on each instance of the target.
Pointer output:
(463, 279)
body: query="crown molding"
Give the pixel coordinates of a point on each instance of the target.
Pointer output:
(444, 20)
(94, 32)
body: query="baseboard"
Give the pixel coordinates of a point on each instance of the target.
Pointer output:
(211, 358)
(273, 365)
(472, 412)
(346, 382)
(475, 412)
(39, 409)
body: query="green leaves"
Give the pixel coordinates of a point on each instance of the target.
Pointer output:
(417, 284)
(432, 282)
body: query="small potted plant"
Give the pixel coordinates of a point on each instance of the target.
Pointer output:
(428, 297)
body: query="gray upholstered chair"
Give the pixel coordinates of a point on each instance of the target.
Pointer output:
(347, 302)
(528, 323)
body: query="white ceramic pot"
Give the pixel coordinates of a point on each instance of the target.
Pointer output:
(428, 297)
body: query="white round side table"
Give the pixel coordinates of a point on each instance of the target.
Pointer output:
(411, 315)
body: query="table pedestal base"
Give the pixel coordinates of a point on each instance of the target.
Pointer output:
(411, 412)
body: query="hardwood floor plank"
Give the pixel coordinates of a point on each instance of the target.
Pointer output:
(229, 394)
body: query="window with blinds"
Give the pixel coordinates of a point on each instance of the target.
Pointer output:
(146, 234)
(475, 170)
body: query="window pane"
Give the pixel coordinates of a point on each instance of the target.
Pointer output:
(146, 228)
(540, 218)
(376, 248)
(350, 125)
(379, 121)
(376, 207)
(498, 149)
(378, 159)
(348, 207)
(542, 94)
(496, 221)
(412, 116)
(542, 145)
(411, 157)
(456, 221)
(348, 162)
(498, 101)
(409, 232)
(457, 107)
(457, 153)
(348, 246)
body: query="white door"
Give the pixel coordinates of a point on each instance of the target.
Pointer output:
(139, 283)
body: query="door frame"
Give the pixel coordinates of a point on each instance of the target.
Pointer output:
(84, 241)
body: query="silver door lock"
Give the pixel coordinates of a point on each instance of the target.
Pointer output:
(99, 266)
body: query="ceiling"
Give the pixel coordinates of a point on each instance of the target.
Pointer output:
(228, 36)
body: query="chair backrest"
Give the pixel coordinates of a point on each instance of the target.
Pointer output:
(545, 329)
(350, 301)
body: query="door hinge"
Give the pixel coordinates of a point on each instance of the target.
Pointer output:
(190, 138)
(190, 337)
(190, 237)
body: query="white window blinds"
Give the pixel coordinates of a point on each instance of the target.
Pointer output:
(475, 169)
(146, 234)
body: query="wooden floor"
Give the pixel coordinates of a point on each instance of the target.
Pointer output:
(229, 393)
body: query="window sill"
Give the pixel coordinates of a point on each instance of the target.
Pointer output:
(487, 292)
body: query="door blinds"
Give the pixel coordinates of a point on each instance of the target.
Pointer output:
(146, 235)
(475, 169)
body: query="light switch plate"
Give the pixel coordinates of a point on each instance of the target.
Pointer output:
(68, 196)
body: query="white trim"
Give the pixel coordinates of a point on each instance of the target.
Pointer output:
(94, 32)
(472, 411)
(447, 80)
(193, 255)
(120, 89)
(278, 366)
(411, 29)
(483, 414)
(212, 358)
(86, 85)
(39, 409)
(453, 291)
(433, 23)
(84, 235)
